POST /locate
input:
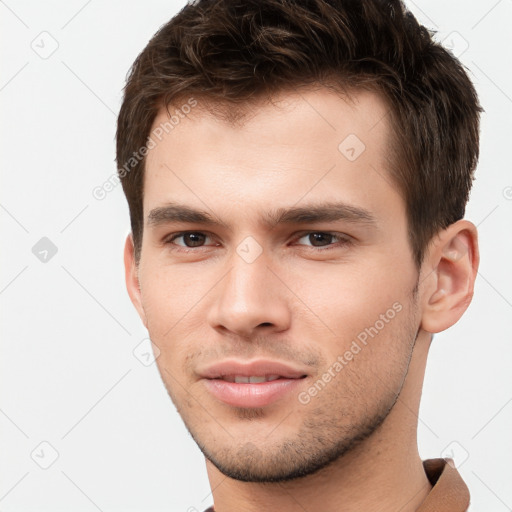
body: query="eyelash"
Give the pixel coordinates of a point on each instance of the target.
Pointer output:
(344, 240)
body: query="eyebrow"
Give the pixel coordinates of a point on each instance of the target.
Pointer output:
(307, 214)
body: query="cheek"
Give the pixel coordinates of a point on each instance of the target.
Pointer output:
(371, 329)
(346, 299)
(172, 302)
(366, 368)
(169, 296)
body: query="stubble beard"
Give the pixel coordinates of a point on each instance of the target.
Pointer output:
(323, 437)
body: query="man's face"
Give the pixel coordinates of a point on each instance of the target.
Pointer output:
(324, 303)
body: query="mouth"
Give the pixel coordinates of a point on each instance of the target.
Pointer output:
(253, 379)
(252, 384)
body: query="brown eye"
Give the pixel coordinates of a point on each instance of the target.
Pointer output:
(190, 239)
(320, 239)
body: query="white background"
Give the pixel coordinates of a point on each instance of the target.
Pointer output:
(68, 373)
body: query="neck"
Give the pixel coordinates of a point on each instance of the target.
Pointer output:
(384, 473)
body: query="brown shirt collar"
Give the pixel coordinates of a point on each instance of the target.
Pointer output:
(449, 492)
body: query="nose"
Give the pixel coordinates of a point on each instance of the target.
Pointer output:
(250, 299)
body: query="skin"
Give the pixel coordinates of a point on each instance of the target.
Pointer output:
(299, 301)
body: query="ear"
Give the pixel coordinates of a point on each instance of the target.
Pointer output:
(132, 278)
(449, 274)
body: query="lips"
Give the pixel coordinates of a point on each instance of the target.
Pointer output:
(252, 379)
(251, 384)
(258, 368)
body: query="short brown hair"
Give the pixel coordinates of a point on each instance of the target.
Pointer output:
(232, 52)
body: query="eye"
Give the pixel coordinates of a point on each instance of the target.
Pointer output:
(320, 239)
(191, 239)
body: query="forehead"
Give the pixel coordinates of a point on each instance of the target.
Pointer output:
(321, 109)
(309, 142)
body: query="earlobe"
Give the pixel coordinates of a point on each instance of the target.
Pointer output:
(132, 279)
(452, 261)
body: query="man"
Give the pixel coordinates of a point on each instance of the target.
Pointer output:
(297, 175)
